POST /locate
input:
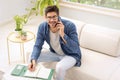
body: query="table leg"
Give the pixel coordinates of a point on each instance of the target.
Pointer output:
(8, 52)
(22, 51)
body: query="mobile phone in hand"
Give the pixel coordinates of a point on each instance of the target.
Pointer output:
(57, 24)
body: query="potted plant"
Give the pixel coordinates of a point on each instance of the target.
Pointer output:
(20, 21)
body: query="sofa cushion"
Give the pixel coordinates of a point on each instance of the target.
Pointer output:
(101, 39)
(96, 66)
(79, 26)
(116, 74)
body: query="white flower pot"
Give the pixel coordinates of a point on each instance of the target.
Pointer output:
(18, 34)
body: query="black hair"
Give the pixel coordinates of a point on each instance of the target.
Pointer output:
(52, 8)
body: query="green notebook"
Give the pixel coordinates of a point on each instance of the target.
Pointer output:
(41, 73)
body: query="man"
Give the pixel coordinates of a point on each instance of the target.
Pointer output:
(62, 38)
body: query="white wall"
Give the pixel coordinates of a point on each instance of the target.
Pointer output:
(90, 17)
(10, 8)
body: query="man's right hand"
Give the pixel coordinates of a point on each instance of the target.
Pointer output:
(32, 65)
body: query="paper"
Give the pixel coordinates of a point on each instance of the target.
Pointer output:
(43, 73)
(29, 73)
(40, 72)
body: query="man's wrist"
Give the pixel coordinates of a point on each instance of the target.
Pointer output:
(62, 35)
(33, 61)
(63, 38)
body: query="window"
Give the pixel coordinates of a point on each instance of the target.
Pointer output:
(113, 4)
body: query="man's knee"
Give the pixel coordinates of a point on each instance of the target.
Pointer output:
(59, 68)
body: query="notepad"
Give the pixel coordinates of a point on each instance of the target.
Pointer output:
(40, 72)
(44, 73)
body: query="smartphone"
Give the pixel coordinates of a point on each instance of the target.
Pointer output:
(57, 22)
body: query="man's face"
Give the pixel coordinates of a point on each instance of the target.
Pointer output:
(52, 18)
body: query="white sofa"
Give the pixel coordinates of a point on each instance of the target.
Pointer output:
(100, 47)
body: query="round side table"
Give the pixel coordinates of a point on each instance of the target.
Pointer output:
(12, 38)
